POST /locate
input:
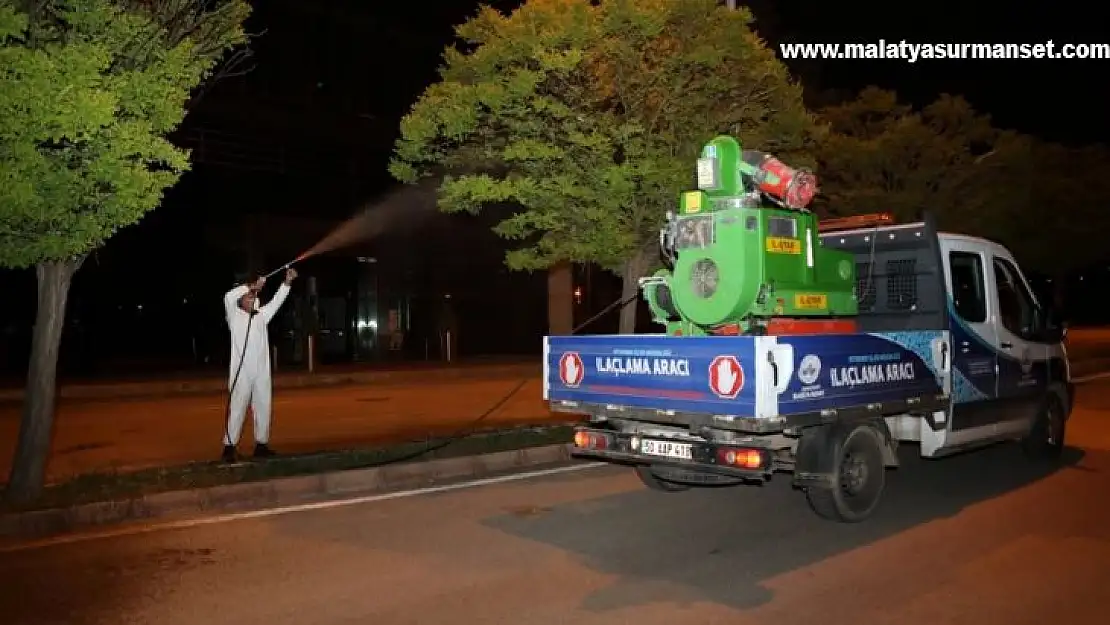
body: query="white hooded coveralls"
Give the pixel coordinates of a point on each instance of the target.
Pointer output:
(254, 385)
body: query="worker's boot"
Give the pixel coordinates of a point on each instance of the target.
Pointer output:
(228, 456)
(262, 450)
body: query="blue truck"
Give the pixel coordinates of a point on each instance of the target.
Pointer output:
(952, 351)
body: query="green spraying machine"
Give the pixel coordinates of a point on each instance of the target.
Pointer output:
(744, 256)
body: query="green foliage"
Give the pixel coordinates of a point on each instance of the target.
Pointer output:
(588, 117)
(1032, 196)
(89, 89)
(1044, 201)
(880, 155)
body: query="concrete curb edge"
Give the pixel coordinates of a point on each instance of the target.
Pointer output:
(37, 524)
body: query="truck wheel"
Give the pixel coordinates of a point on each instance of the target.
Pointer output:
(860, 474)
(1045, 440)
(655, 483)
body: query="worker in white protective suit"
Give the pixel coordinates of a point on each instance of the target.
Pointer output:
(249, 381)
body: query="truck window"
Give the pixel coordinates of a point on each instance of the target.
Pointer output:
(1017, 310)
(968, 293)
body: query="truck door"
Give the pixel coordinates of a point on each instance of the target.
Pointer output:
(1022, 361)
(974, 337)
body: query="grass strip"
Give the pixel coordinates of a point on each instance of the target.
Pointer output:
(96, 487)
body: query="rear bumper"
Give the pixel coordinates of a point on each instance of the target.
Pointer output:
(704, 457)
(758, 426)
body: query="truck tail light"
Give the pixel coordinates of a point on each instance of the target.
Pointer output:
(741, 457)
(591, 440)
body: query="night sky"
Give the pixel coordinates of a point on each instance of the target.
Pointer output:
(332, 78)
(308, 131)
(1057, 100)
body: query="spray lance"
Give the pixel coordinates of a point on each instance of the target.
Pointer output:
(287, 265)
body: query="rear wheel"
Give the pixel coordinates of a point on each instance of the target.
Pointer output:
(1045, 440)
(654, 482)
(860, 477)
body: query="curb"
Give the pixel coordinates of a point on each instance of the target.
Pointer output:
(306, 380)
(246, 496)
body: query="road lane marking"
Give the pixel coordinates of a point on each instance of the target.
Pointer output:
(305, 507)
(339, 503)
(1091, 377)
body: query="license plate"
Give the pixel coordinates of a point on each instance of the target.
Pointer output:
(682, 451)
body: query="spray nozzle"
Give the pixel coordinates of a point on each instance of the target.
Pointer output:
(282, 268)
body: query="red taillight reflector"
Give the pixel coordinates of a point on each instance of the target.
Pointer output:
(740, 458)
(591, 440)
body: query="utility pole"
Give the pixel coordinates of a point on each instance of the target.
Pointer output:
(731, 4)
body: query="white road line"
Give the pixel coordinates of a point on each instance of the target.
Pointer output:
(1091, 377)
(306, 507)
(339, 503)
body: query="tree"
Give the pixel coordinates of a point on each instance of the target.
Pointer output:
(1049, 203)
(882, 156)
(213, 27)
(89, 90)
(588, 117)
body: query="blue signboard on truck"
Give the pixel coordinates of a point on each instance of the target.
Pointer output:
(712, 374)
(839, 370)
(762, 376)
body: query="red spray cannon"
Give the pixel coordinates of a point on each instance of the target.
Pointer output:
(794, 188)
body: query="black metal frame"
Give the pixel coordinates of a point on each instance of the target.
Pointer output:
(917, 241)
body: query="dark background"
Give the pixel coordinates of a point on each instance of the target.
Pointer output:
(302, 141)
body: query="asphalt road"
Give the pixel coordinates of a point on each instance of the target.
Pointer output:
(983, 538)
(127, 434)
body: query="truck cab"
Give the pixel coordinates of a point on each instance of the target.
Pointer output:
(952, 350)
(1006, 347)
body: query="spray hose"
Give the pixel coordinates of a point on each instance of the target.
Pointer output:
(468, 430)
(235, 381)
(471, 428)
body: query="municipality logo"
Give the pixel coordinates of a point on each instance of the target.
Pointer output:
(809, 370)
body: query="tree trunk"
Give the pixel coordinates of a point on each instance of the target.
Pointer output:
(560, 300)
(37, 425)
(634, 269)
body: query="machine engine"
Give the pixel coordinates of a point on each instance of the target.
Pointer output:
(745, 256)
